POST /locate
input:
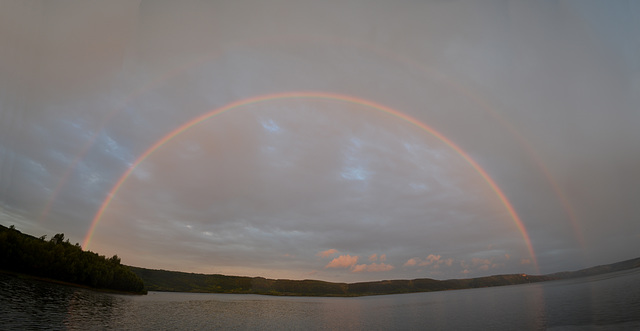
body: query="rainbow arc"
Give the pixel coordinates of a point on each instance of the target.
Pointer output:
(314, 95)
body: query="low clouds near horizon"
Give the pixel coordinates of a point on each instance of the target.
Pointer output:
(350, 262)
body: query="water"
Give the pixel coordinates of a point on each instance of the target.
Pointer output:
(605, 302)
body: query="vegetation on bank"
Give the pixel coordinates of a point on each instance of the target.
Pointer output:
(60, 260)
(174, 281)
(57, 259)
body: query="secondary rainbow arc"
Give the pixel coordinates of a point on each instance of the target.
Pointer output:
(314, 95)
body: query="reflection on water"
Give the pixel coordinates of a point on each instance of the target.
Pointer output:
(604, 302)
(27, 304)
(610, 301)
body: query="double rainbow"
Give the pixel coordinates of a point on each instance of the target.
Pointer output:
(312, 95)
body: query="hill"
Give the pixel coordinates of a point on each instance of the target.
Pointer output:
(57, 259)
(163, 280)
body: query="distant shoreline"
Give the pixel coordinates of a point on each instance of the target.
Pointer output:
(176, 281)
(88, 270)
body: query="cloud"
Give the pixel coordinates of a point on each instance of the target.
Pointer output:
(343, 261)
(359, 268)
(431, 260)
(270, 125)
(411, 262)
(480, 262)
(373, 267)
(304, 174)
(327, 253)
(348, 261)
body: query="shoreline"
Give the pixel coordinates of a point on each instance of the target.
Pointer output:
(69, 284)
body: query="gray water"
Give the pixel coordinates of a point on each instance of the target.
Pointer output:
(605, 302)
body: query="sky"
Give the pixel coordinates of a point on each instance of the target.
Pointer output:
(335, 140)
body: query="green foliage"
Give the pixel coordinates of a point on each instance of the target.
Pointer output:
(60, 260)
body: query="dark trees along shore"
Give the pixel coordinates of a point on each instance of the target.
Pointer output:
(60, 260)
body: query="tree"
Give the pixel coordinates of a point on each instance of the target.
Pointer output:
(115, 260)
(58, 238)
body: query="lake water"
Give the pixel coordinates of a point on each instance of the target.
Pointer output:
(605, 302)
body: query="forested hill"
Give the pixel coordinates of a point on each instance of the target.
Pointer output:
(598, 270)
(162, 280)
(60, 260)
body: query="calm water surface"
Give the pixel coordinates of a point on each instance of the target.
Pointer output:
(605, 302)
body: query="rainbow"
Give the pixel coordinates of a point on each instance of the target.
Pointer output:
(385, 53)
(312, 95)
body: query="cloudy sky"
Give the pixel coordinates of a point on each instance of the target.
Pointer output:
(333, 140)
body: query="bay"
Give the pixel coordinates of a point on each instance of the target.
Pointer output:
(603, 302)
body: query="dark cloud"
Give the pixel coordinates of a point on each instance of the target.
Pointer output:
(541, 95)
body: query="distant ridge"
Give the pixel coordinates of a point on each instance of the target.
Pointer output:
(597, 270)
(59, 260)
(175, 281)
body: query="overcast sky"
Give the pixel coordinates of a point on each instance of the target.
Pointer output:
(543, 96)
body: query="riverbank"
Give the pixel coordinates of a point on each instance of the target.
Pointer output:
(59, 282)
(175, 281)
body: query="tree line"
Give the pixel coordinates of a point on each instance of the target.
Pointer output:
(175, 281)
(60, 260)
